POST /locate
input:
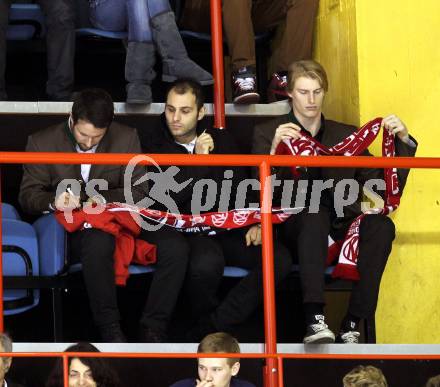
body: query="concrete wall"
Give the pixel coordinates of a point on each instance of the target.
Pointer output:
(383, 57)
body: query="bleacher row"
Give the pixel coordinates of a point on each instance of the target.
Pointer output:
(27, 23)
(48, 248)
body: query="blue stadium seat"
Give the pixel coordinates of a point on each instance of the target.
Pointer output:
(26, 21)
(20, 258)
(94, 32)
(52, 245)
(9, 212)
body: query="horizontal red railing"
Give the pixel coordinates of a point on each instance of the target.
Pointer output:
(223, 160)
(278, 358)
(264, 162)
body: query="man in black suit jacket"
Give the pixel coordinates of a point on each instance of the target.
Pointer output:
(307, 233)
(90, 130)
(182, 132)
(5, 362)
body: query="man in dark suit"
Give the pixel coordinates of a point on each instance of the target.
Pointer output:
(5, 362)
(183, 132)
(90, 129)
(307, 233)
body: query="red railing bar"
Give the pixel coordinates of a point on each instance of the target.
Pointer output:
(161, 355)
(2, 327)
(135, 355)
(222, 160)
(217, 63)
(280, 372)
(270, 324)
(66, 369)
(348, 356)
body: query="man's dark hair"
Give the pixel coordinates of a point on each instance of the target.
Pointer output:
(185, 85)
(94, 106)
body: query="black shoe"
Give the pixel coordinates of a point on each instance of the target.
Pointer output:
(244, 86)
(151, 335)
(3, 96)
(112, 333)
(318, 333)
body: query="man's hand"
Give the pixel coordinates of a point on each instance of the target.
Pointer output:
(97, 199)
(253, 236)
(204, 144)
(395, 126)
(284, 132)
(67, 201)
(204, 383)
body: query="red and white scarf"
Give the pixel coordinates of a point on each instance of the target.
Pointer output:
(353, 145)
(348, 249)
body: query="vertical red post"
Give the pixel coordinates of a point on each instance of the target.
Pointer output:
(271, 368)
(280, 372)
(217, 64)
(1, 261)
(65, 370)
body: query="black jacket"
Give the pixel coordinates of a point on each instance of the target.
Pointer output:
(333, 133)
(162, 142)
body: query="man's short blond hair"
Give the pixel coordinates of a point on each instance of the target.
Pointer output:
(309, 69)
(220, 342)
(433, 382)
(365, 376)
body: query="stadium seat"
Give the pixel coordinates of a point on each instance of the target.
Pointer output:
(26, 21)
(20, 258)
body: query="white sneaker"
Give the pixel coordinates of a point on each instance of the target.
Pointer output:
(319, 334)
(350, 337)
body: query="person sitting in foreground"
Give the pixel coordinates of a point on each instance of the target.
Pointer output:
(365, 376)
(213, 371)
(86, 371)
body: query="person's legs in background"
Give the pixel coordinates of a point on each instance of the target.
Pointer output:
(296, 43)
(4, 17)
(131, 15)
(239, 33)
(141, 53)
(175, 61)
(60, 42)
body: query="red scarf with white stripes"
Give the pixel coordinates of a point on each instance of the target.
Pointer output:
(353, 145)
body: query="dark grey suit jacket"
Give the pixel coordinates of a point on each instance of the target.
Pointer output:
(39, 183)
(334, 133)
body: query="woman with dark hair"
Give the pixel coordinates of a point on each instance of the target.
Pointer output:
(151, 27)
(85, 371)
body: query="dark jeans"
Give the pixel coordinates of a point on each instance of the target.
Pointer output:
(209, 255)
(60, 42)
(131, 15)
(95, 250)
(306, 235)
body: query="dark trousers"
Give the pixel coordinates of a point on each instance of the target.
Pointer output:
(306, 235)
(60, 42)
(208, 256)
(95, 250)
